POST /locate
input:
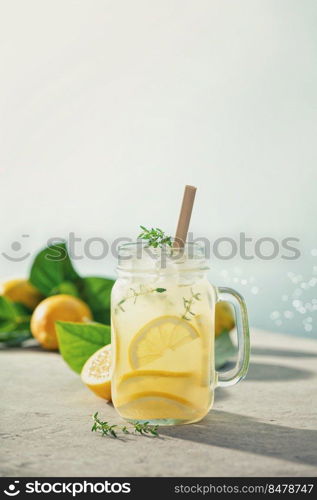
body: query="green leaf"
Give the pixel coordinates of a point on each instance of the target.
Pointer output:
(14, 338)
(96, 292)
(224, 349)
(14, 322)
(13, 316)
(78, 341)
(67, 288)
(51, 267)
(8, 311)
(52, 273)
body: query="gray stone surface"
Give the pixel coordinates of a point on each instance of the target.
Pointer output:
(264, 426)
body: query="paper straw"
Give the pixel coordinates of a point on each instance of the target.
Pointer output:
(184, 216)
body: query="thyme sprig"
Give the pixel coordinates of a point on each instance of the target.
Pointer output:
(188, 304)
(155, 237)
(145, 428)
(142, 428)
(103, 427)
(134, 294)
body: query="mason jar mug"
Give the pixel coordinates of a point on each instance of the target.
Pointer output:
(163, 317)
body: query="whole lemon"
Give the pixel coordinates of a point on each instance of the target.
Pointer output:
(55, 308)
(21, 290)
(224, 320)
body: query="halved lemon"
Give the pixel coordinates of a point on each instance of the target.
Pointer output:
(96, 372)
(157, 337)
(155, 406)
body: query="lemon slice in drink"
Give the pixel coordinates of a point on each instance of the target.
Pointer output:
(153, 373)
(158, 380)
(96, 372)
(155, 406)
(163, 334)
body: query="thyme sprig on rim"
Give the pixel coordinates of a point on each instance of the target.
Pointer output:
(188, 304)
(155, 237)
(135, 294)
(142, 428)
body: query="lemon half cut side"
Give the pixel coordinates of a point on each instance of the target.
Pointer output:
(96, 372)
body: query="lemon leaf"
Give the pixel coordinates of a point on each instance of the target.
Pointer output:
(52, 273)
(96, 292)
(51, 267)
(67, 287)
(14, 322)
(224, 349)
(78, 341)
(7, 310)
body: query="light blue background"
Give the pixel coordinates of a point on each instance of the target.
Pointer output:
(109, 107)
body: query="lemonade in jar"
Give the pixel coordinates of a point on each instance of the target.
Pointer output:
(163, 310)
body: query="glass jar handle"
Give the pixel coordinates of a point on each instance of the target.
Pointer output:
(233, 376)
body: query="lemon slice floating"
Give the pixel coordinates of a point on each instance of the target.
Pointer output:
(156, 405)
(157, 337)
(154, 373)
(96, 372)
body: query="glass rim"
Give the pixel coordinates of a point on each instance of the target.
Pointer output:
(190, 256)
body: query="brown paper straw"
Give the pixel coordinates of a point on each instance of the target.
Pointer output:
(184, 216)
